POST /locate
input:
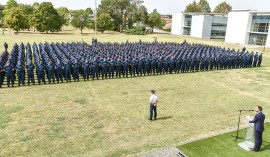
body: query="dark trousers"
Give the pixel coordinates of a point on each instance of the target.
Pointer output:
(258, 139)
(153, 108)
(10, 78)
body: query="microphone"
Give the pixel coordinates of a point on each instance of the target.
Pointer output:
(246, 110)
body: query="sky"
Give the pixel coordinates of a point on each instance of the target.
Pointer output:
(162, 6)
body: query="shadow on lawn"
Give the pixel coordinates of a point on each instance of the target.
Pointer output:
(165, 118)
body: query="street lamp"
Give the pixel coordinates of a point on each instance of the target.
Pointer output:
(95, 17)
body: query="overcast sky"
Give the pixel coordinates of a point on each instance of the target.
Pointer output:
(163, 6)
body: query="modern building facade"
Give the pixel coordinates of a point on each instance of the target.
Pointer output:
(200, 25)
(239, 26)
(248, 27)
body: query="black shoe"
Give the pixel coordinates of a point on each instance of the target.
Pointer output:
(149, 119)
(254, 149)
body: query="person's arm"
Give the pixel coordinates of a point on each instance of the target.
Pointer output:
(254, 120)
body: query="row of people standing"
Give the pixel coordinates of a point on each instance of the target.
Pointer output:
(63, 61)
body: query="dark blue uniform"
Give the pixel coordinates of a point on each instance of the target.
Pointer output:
(9, 75)
(41, 73)
(30, 73)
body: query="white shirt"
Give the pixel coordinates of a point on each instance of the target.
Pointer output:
(153, 99)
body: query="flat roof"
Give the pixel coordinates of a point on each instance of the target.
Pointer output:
(198, 13)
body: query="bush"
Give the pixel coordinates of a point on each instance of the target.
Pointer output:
(167, 29)
(137, 30)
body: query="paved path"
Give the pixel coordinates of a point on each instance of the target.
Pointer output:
(166, 152)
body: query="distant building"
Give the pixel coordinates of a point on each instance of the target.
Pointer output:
(209, 25)
(248, 27)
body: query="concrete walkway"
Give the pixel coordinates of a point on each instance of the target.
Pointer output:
(166, 152)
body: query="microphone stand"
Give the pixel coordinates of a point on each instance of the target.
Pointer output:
(236, 137)
(240, 111)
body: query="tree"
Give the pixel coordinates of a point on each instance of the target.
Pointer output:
(27, 11)
(104, 22)
(16, 19)
(64, 13)
(192, 7)
(223, 7)
(154, 20)
(80, 19)
(204, 6)
(2, 7)
(11, 4)
(117, 10)
(46, 18)
(136, 13)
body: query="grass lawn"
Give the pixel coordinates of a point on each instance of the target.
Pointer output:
(225, 145)
(109, 117)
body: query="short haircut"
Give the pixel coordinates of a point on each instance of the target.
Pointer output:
(153, 91)
(260, 108)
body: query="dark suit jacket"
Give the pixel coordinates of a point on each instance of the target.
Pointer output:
(258, 122)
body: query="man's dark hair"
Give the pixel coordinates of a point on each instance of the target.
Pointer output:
(260, 108)
(153, 92)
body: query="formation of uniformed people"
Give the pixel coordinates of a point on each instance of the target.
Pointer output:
(59, 62)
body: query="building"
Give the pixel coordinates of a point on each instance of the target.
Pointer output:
(245, 27)
(209, 25)
(248, 27)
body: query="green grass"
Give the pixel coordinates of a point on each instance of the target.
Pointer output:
(109, 117)
(225, 145)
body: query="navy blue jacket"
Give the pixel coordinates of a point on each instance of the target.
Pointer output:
(258, 122)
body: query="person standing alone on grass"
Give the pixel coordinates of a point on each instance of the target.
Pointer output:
(153, 105)
(259, 128)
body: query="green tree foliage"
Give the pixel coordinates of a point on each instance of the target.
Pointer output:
(117, 9)
(64, 13)
(192, 7)
(16, 19)
(154, 20)
(2, 7)
(104, 22)
(204, 6)
(80, 19)
(46, 18)
(136, 13)
(223, 7)
(27, 11)
(11, 4)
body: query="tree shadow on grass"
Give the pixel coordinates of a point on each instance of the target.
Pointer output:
(165, 118)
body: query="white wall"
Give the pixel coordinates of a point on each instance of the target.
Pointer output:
(238, 26)
(267, 44)
(207, 27)
(197, 26)
(177, 23)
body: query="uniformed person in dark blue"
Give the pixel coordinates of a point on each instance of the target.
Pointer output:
(95, 69)
(1, 78)
(178, 65)
(192, 65)
(171, 65)
(51, 69)
(67, 72)
(183, 65)
(20, 73)
(132, 68)
(104, 69)
(41, 73)
(146, 67)
(59, 71)
(111, 69)
(139, 67)
(187, 65)
(159, 71)
(10, 77)
(197, 64)
(125, 68)
(30, 73)
(118, 68)
(153, 66)
(86, 70)
(260, 60)
(166, 66)
(255, 59)
(76, 71)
